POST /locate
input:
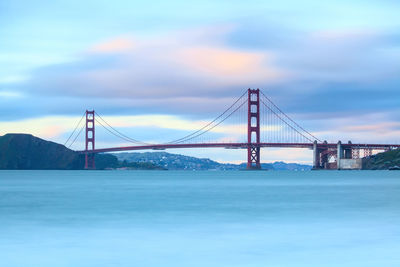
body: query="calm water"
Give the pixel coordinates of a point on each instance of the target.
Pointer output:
(165, 218)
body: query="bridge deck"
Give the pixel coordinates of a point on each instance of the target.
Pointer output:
(240, 146)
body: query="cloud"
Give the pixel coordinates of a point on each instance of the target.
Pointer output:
(186, 66)
(376, 127)
(117, 45)
(229, 66)
(383, 127)
(342, 56)
(45, 127)
(197, 68)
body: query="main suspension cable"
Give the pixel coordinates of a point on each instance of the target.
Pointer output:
(269, 100)
(180, 140)
(113, 133)
(83, 126)
(76, 127)
(217, 123)
(119, 134)
(285, 121)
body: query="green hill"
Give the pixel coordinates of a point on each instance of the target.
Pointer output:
(24, 151)
(382, 161)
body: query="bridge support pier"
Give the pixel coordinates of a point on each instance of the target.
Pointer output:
(89, 141)
(348, 157)
(347, 152)
(325, 157)
(320, 156)
(316, 156)
(89, 161)
(339, 154)
(253, 130)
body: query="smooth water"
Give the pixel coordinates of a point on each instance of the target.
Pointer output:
(166, 218)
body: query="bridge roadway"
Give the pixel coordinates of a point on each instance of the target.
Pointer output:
(241, 146)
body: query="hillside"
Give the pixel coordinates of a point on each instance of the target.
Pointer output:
(174, 161)
(382, 161)
(180, 162)
(24, 151)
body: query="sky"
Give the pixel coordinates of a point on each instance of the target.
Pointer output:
(158, 70)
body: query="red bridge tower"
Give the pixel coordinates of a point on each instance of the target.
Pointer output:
(89, 157)
(253, 129)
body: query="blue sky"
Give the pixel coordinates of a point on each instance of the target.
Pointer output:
(334, 66)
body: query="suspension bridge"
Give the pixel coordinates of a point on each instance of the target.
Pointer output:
(253, 122)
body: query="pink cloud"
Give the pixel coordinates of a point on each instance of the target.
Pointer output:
(117, 45)
(378, 127)
(188, 64)
(229, 65)
(167, 66)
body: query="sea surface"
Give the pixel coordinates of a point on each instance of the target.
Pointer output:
(204, 218)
